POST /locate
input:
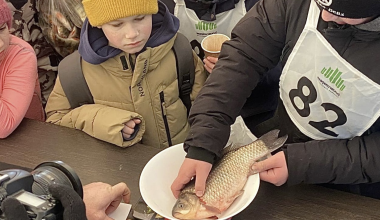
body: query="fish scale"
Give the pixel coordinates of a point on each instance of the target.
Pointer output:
(233, 166)
(226, 180)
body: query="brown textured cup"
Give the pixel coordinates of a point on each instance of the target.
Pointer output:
(212, 44)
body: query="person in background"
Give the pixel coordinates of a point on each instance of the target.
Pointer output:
(199, 19)
(329, 94)
(25, 26)
(18, 78)
(99, 200)
(130, 68)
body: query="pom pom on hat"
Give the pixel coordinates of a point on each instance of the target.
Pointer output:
(5, 14)
(351, 8)
(100, 12)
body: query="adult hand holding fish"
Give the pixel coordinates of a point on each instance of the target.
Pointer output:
(189, 169)
(200, 169)
(226, 180)
(273, 170)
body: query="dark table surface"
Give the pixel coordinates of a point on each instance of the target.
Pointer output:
(35, 142)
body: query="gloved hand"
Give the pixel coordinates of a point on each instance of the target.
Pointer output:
(14, 210)
(72, 203)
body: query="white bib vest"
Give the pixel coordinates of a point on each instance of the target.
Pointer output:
(195, 29)
(324, 95)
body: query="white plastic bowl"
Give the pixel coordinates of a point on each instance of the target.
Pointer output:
(160, 172)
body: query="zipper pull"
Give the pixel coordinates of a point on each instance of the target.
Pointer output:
(124, 62)
(132, 62)
(163, 108)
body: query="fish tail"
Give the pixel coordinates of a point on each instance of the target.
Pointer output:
(272, 141)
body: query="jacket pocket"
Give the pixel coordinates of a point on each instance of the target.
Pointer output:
(163, 112)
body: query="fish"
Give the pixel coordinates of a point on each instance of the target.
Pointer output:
(226, 180)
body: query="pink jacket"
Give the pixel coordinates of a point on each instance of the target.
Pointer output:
(18, 76)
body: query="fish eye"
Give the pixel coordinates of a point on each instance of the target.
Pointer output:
(180, 205)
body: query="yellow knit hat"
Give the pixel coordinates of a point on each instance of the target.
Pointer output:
(100, 12)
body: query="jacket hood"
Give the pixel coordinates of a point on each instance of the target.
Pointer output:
(94, 48)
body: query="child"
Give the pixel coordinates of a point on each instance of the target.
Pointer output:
(18, 78)
(130, 68)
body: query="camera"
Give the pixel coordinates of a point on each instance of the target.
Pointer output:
(31, 188)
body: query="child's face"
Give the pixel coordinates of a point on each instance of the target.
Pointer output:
(129, 34)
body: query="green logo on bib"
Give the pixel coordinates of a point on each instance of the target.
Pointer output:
(334, 77)
(205, 26)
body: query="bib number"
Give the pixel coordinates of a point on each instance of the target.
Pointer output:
(311, 97)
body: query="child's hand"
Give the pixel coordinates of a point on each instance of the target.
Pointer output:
(210, 63)
(129, 127)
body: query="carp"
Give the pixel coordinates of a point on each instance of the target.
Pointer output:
(226, 180)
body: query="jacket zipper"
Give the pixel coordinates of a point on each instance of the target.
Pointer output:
(163, 111)
(132, 63)
(124, 62)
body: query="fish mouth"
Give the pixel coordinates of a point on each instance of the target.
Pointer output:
(178, 215)
(175, 214)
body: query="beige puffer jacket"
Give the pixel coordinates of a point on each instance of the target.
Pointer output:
(146, 89)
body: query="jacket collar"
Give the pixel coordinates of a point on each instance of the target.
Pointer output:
(373, 25)
(124, 64)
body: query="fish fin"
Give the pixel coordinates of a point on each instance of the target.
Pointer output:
(213, 217)
(212, 209)
(230, 148)
(236, 196)
(266, 156)
(272, 141)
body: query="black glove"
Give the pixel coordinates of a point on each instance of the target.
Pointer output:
(73, 205)
(14, 210)
(74, 208)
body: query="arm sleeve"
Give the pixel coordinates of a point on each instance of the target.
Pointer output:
(335, 161)
(97, 120)
(18, 89)
(255, 47)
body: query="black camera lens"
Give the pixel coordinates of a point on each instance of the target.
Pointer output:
(55, 172)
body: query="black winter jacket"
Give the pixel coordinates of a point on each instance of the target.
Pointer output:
(266, 35)
(257, 108)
